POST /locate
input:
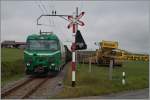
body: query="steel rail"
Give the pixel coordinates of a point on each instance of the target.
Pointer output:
(34, 89)
(8, 91)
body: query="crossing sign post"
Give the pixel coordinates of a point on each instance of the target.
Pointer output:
(74, 22)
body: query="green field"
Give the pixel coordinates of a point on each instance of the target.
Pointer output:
(88, 83)
(97, 82)
(12, 66)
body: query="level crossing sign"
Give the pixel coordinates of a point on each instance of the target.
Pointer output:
(75, 21)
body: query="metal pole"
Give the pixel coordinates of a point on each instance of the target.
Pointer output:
(75, 28)
(76, 17)
(73, 54)
(110, 69)
(76, 57)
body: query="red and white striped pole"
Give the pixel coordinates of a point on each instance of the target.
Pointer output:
(73, 53)
(74, 21)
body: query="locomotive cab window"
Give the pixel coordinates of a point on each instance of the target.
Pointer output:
(43, 45)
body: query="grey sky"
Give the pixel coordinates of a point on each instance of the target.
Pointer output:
(125, 22)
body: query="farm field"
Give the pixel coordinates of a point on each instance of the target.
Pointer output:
(12, 66)
(97, 83)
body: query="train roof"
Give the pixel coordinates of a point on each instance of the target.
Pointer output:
(42, 37)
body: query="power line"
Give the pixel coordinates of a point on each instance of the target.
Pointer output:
(51, 7)
(50, 18)
(43, 5)
(41, 9)
(44, 10)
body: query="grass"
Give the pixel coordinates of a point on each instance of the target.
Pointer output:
(97, 82)
(12, 65)
(11, 54)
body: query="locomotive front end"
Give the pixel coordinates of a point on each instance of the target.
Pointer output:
(41, 62)
(42, 55)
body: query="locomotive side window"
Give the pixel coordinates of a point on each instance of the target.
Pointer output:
(43, 45)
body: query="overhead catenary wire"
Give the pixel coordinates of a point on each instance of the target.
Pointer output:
(81, 6)
(44, 10)
(41, 9)
(44, 7)
(59, 27)
(51, 6)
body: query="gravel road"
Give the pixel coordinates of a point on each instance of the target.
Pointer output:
(136, 94)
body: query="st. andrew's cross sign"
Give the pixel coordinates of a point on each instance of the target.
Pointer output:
(74, 20)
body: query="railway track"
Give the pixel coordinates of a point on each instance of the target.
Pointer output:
(24, 89)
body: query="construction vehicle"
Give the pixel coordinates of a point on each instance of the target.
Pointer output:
(108, 50)
(137, 57)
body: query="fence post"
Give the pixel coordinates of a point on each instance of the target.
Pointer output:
(123, 79)
(110, 69)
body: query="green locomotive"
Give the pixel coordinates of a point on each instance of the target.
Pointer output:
(44, 53)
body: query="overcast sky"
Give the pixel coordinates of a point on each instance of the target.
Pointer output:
(126, 21)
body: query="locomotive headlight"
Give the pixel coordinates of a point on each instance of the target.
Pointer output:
(28, 64)
(52, 64)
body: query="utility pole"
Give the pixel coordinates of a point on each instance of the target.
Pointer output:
(74, 22)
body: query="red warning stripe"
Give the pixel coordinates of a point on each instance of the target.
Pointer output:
(73, 66)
